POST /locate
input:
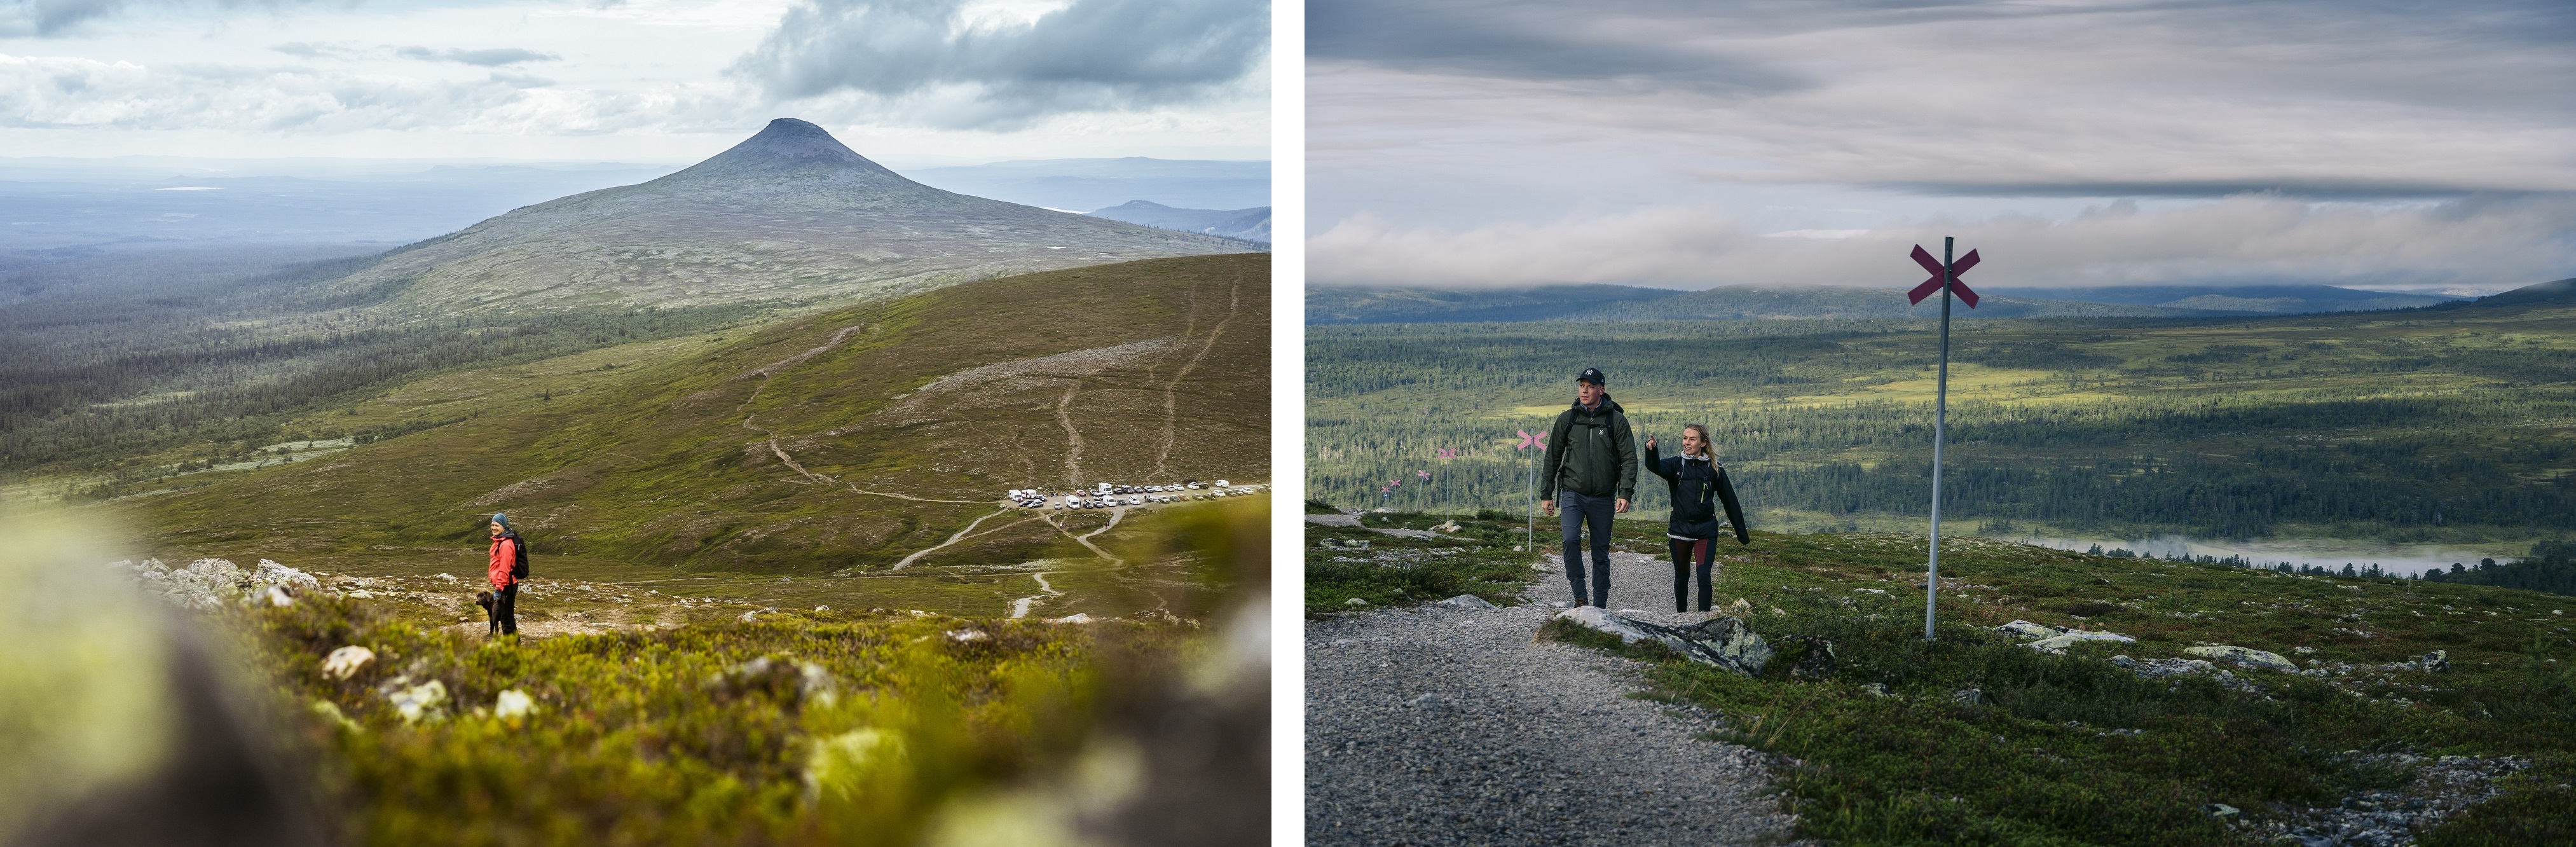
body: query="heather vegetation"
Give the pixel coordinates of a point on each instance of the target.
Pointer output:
(1978, 738)
(2443, 425)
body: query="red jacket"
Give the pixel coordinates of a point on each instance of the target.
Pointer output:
(505, 556)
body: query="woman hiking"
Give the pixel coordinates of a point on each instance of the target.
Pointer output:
(1698, 483)
(505, 579)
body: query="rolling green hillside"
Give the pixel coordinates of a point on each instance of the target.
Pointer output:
(860, 441)
(2455, 425)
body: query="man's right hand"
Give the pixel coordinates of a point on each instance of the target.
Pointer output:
(1547, 507)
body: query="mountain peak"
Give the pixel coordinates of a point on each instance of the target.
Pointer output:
(788, 147)
(789, 138)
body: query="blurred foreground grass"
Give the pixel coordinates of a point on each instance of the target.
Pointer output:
(685, 736)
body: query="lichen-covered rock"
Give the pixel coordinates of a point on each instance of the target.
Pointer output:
(2244, 656)
(513, 704)
(2059, 642)
(212, 583)
(345, 662)
(2026, 629)
(1722, 642)
(2438, 661)
(1816, 659)
(1466, 601)
(426, 701)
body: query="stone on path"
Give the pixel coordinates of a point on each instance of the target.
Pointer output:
(1721, 642)
(1466, 601)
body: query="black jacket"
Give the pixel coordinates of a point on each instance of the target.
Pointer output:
(1591, 453)
(1695, 483)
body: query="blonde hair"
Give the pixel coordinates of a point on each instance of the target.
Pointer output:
(1706, 442)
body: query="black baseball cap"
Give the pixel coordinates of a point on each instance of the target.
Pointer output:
(1592, 375)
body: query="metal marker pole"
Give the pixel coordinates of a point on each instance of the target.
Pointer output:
(1940, 420)
(1529, 535)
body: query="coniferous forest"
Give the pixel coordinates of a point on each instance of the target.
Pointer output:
(111, 360)
(2448, 425)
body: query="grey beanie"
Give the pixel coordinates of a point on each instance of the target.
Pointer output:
(503, 520)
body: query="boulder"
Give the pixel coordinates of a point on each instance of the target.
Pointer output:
(513, 704)
(2438, 661)
(2059, 642)
(1721, 642)
(2244, 656)
(345, 662)
(1466, 601)
(427, 700)
(2026, 629)
(1816, 660)
(1355, 603)
(1876, 689)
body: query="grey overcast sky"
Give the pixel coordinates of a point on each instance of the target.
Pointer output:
(922, 82)
(1690, 143)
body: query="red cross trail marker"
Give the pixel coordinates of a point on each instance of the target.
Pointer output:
(1934, 284)
(1945, 279)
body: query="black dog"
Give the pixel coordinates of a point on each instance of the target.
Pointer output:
(485, 600)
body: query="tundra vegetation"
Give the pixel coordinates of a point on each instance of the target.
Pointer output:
(2444, 425)
(645, 717)
(1977, 738)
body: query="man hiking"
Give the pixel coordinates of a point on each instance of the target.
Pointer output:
(505, 578)
(1591, 472)
(1699, 485)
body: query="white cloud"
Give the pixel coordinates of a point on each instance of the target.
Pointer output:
(1805, 117)
(2248, 238)
(72, 92)
(965, 65)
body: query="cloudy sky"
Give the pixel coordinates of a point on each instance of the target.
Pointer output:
(1683, 143)
(919, 82)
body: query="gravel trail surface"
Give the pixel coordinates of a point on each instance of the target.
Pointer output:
(1451, 726)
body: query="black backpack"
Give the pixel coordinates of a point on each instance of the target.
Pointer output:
(519, 546)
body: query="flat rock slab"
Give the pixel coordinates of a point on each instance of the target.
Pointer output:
(1450, 726)
(2245, 656)
(1353, 521)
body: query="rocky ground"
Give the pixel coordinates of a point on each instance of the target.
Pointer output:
(546, 606)
(1438, 725)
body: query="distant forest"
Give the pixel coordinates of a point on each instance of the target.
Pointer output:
(107, 355)
(2551, 567)
(2458, 426)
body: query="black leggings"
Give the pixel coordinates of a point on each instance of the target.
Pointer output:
(505, 609)
(1683, 556)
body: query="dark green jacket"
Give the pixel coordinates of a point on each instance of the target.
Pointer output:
(1591, 453)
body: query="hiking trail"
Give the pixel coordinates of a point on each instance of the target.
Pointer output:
(1020, 607)
(1171, 423)
(1432, 725)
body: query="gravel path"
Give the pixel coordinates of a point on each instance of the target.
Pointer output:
(1450, 726)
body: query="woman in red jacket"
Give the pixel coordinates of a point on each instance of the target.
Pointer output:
(505, 585)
